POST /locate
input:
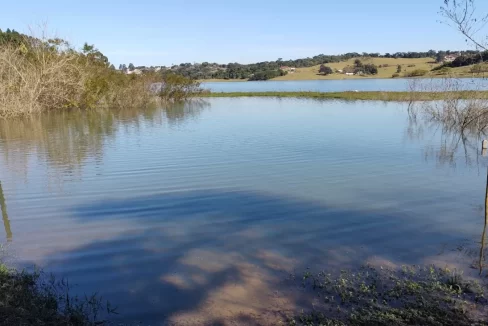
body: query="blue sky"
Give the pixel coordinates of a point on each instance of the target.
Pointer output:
(171, 32)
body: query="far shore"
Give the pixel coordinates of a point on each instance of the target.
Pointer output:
(342, 77)
(366, 96)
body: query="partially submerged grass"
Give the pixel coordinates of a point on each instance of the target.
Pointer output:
(371, 96)
(411, 296)
(33, 298)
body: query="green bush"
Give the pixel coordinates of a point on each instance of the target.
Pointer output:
(416, 73)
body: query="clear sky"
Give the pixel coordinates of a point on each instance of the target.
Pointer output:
(161, 32)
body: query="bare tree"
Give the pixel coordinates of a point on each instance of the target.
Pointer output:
(464, 17)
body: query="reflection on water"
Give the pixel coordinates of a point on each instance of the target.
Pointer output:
(6, 222)
(197, 212)
(483, 235)
(452, 142)
(66, 140)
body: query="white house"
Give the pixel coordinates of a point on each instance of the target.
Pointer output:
(450, 57)
(135, 71)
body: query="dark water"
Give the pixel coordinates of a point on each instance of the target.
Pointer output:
(397, 85)
(198, 212)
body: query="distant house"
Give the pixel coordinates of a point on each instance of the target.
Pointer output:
(135, 72)
(450, 57)
(349, 73)
(340, 71)
(289, 69)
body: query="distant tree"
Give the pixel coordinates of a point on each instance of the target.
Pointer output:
(325, 70)
(131, 67)
(358, 63)
(370, 69)
(439, 57)
(112, 67)
(93, 53)
(399, 68)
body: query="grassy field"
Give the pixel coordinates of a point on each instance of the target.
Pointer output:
(389, 67)
(367, 96)
(311, 73)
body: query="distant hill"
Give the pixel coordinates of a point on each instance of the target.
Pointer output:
(281, 69)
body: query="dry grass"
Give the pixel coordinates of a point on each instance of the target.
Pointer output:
(36, 79)
(45, 74)
(311, 73)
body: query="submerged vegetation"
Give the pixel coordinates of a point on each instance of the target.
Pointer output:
(33, 298)
(413, 295)
(373, 96)
(39, 74)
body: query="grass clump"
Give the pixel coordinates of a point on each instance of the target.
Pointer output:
(416, 73)
(32, 298)
(412, 296)
(367, 96)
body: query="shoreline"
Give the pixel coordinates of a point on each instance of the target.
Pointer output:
(279, 79)
(365, 96)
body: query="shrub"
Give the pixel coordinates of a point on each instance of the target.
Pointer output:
(479, 68)
(395, 75)
(267, 74)
(325, 70)
(416, 73)
(442, 71)
(370, 69)
(176, 88)
(41, 74)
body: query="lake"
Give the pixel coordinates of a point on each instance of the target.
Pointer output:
(362, 85)
(198, 213)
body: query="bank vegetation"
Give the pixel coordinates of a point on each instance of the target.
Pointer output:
(407, 96)
(39, 74)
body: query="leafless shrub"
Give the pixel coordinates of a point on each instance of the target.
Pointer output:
(464, 16)
(38, 76)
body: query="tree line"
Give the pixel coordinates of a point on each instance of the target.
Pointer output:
(270, 69)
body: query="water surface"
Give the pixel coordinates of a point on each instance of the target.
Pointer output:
(367, 84)
(198, 212)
